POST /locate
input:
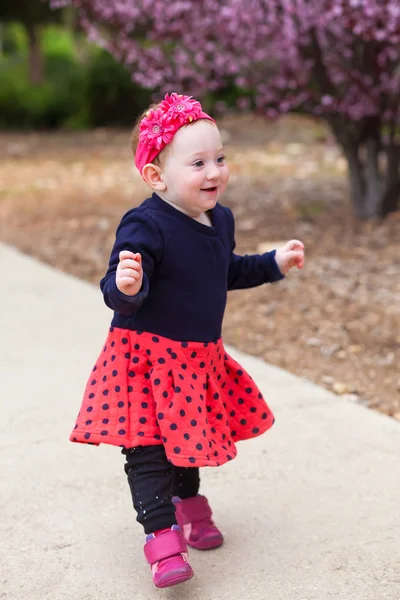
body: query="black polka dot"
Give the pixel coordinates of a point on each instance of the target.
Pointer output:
(264, 415)
(122, 419)
(243, 422)
(193, 355)
(105, 421)
(219, 416)
(140, 433)
(105, 392)
(199, 446)
(117, 388)
(155, 339)
(135, 360)
(216, 396)
(130, 388)
(137, 346)
(145, 390)
(105, 406)
(202, 365)
(91, 395)
(182, 412)
(177, 389)
(161, 361)
(240, 372)
(145, 405)
(157, 381)
(193, 422)
(122, 432)
(114, 373)
(192, 459)
(93, 382)
(188, 399)
(253, 409)
(232, 413)
(177, 450)
(165, 394)
(124, 340)
(89, 408)
(255, 430)
(184, 344)
(186, 436)
(142, 420)
(173, 426)
(160, 416)
(127, 355)
(87, 436)
(240, 401)
(104, 432)
(131, 374)
(249, 390)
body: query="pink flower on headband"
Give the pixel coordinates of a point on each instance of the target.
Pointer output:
(156, 129)
(182, 108)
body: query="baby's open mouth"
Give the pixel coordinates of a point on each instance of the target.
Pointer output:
(211, 189)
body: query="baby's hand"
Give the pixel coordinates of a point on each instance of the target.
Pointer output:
(129, 276)
(291, 255)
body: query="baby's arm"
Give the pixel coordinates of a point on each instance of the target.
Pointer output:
(137, 235)
(256, 269)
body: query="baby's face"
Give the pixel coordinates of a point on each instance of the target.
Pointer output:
(194, 170)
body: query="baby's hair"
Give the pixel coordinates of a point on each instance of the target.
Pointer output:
(134, 141)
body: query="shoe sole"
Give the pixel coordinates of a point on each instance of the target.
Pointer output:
(210, 544)
(174, 578)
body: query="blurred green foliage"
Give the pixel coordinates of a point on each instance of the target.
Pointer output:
(83, 85)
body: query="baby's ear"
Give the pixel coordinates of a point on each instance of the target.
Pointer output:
(152, 175)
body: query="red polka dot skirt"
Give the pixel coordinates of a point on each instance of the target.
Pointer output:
(192, 397)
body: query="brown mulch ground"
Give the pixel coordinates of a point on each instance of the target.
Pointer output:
(337, 322)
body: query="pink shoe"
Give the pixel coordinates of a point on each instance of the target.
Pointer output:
(167, 554)
(194, 516)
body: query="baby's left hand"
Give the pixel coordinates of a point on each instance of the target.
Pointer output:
(291, 255)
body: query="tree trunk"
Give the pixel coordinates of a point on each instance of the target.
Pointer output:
(373, 171)
(36, 71)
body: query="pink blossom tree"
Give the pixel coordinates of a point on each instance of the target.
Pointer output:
(337, 59)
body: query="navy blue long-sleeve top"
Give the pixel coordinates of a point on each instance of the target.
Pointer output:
(188, 268)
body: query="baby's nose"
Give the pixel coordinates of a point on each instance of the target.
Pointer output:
(212, 172)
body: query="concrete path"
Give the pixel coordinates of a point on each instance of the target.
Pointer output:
(311, 510)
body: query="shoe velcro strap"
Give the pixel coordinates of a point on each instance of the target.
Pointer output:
(164, 545)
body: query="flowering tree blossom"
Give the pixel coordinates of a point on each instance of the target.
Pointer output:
(337, 59)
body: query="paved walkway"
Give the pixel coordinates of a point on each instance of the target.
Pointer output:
(311, 510)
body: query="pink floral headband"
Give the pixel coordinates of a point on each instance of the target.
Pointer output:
(159, 126)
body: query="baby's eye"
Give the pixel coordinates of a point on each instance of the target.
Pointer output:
(221, 159)
(198, 163)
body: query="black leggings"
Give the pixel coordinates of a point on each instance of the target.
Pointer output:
(153, 482)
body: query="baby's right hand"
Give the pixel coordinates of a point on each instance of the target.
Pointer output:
(129, 275)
